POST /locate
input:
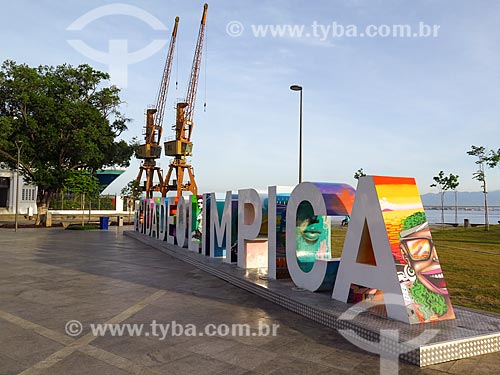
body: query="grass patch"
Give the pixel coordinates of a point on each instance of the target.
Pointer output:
(82, 227)
(472, 277)
(469, 238)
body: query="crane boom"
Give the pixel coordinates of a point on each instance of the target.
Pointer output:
(195, 69)
(162, 92)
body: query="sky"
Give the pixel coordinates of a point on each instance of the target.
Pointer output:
(392, 105)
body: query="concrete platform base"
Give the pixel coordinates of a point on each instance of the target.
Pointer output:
(472, 333)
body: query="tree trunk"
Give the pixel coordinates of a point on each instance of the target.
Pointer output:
(41, 213)
(42, 206)
(82, 197)
(442, 210)
(486, 218)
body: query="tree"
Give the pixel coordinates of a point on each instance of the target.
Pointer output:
(67, 118)
(83, 183)
(453, 185)
(440, 183)
(444, 184)
(133, 192)
(482, 161)
(359, 173)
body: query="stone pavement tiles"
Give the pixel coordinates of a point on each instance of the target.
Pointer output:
(51, 276)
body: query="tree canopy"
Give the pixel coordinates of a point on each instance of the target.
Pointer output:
(67, 119)
(359, 173)
(133, 190)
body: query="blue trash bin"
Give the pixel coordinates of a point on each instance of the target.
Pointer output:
(104, 222)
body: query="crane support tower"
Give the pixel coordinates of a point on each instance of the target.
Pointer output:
(182, 145)
(151, 149)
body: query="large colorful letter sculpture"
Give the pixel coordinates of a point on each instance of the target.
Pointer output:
(271, 230)
(249, 221)
(388, 251)
(194, 219)
(312, 267)
(389, 247)
(181, 224)
(220, 228)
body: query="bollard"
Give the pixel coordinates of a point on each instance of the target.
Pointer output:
(120, 221)
(466, 223)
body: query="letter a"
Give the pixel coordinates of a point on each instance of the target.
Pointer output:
(367, 258)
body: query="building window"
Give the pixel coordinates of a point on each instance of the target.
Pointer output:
(28, 194)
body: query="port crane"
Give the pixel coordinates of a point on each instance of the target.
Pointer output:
(181, 146)
(151, 149)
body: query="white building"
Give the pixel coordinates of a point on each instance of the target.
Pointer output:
(27, 194)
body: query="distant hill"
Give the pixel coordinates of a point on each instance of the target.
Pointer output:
(464, 198)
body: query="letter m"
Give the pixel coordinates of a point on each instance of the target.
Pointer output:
(220, 229)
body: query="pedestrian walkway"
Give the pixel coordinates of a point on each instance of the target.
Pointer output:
(49, 277)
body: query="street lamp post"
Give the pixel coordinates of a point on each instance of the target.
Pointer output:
(299, 88)
(19, 145)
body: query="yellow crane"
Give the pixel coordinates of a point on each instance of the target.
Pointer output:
(182, 145)
(151, 149)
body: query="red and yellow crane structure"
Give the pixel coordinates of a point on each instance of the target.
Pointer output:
(182, 146)
(151, 149)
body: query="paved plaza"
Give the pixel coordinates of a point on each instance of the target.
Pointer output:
(49, 277)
